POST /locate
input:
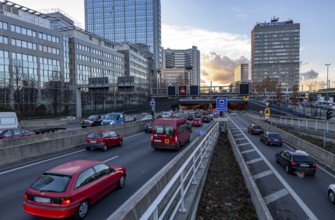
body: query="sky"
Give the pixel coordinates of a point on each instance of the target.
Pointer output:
(221, 30)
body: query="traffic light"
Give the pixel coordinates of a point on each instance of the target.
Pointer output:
(267, 111)
(329, 114)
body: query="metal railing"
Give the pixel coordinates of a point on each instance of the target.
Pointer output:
(183, 178)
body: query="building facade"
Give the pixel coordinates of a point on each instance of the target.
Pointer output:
(275, 53)
(130, 21)
(188, 59)
(45, 60)
(241, 73)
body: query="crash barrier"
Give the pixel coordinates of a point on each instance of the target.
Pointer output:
(25, 148)
(325, 157)
(262, 210)
(174, 192)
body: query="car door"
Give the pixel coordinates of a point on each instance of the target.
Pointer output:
(115, 139)
(107, 138)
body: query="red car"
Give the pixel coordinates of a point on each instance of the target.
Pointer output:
(71, 188)
(197, 122)
(103, 140)
(15, 133)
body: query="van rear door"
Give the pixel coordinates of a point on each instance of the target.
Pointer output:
(163, 134)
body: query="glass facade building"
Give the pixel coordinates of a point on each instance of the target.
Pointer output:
(127, 21)
(275, 53)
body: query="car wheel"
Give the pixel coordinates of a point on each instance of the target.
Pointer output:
(331, 196)
(83, 126)
(287, 169)
(104, 148)
(120, 143)
(276, 158)
(87, 148)
(122, 182)
(82, 210)
(266, 143)
(188, 139)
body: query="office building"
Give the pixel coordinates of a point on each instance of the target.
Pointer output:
(188, 59)
(275, 53)
(241, 73)
(136, 22)
(50, 66)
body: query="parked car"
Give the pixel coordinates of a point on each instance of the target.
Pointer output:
(103, 140)
(91, 121)
(147, 118)
(271, 138)
(69, 189)
(296, 161)
(255, 129)
(15, 133)
(331, 193)
(196, 122)
(148, 127)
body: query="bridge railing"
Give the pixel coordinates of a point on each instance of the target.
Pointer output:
(166, 195)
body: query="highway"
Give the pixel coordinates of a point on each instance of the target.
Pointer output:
(287, 196)
(136, 154)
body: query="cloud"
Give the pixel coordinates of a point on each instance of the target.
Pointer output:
(310, 75)
(220, 51)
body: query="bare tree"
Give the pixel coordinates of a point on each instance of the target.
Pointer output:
(55, 91)
(279, 94)
(294, 95)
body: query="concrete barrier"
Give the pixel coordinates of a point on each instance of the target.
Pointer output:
(19, 149)
(323, 156)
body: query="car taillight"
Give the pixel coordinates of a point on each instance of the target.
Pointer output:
(293, 163)
(313, 164)
(269, 139)
(176, 139)
(25, 196)
(152, 137)
(65, 201)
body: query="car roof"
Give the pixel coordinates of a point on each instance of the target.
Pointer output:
(73, 167)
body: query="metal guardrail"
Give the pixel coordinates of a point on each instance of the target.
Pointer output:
(167, 194)
(184, 178)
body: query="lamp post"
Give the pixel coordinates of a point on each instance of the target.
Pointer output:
(327, 75)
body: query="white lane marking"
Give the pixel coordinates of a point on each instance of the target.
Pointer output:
(243, 144)
(238, 135)
(276, 195)
(304, 207)
(112, 158)
(254, 161)
(247, 151)
(262, 174)
(50, 159)
(238, 139)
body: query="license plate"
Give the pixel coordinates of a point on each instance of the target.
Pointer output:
(166, 141)
(42, 200)
(93, 142)
(157, 140)
(276, 139)
(304, 165)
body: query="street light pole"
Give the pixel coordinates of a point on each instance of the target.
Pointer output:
(327, 75)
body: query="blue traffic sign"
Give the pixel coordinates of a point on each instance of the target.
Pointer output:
(222, 104)
(152, 103)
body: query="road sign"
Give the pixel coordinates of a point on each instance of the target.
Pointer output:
(222, 104)
(152, 103)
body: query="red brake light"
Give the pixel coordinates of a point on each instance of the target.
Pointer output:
(25, 196)
(66, 201)
(176, 139)
(293, 163)
(313, 164)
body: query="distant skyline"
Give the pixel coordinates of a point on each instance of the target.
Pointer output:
(221, 30)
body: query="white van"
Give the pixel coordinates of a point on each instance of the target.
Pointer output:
(8, 120)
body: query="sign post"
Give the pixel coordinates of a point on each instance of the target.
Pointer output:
(152, 104)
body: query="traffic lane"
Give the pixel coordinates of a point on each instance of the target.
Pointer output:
(310, 189)
(18, 180)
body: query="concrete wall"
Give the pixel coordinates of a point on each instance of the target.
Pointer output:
(19, 149)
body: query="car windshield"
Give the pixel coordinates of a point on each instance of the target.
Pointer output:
(93, 117)
(274, 136)
(51, 183)
(111, 117)
(94, 135)
(302, 158)
(163, 129)
(257, 127)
